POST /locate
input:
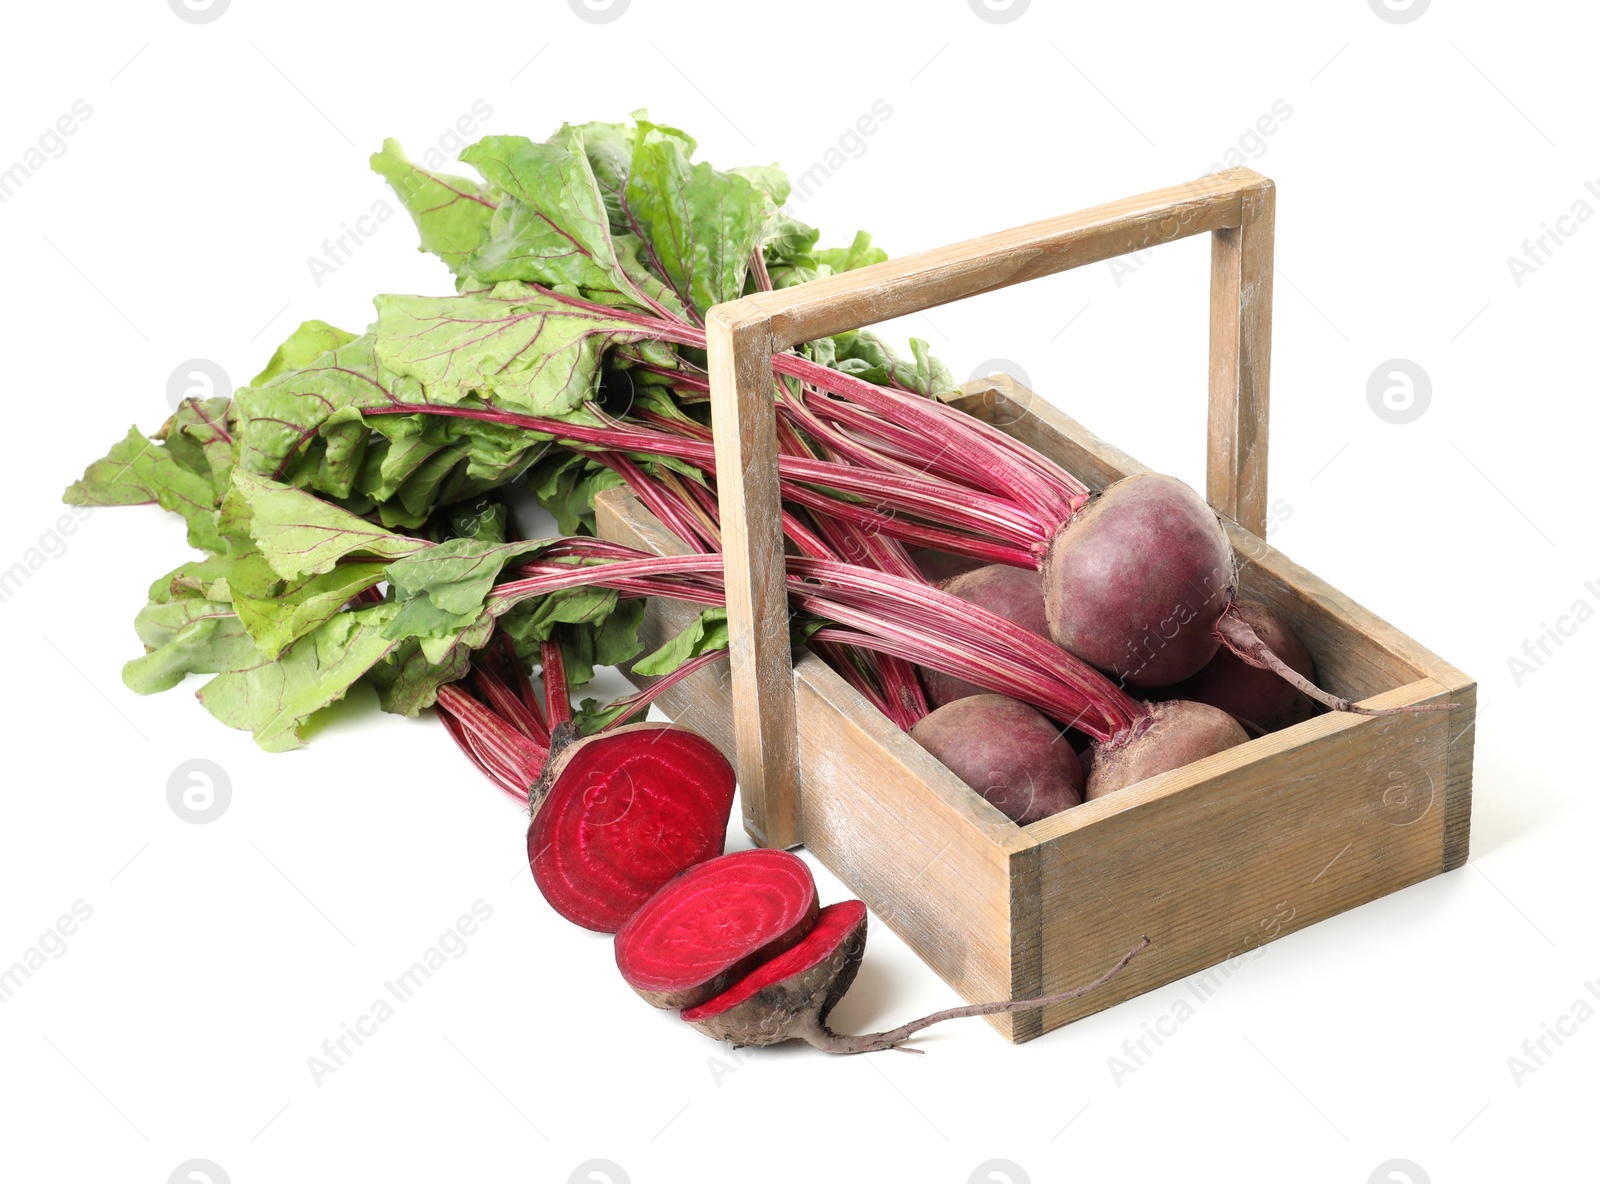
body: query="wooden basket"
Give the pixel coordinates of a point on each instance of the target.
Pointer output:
(1210, 860)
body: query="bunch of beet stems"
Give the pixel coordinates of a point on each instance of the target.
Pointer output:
(504, 729)
(877, 468)
(863, 609)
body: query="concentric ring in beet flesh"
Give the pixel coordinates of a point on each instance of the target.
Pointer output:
(626, 812)
(709, 928)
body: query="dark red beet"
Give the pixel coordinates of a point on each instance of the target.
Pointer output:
(1135, 583)
(713, 925)
(623, 813)
(1011, 592)
(1179, 732)
(763, 1007)
(1257, 698)
(1005, 750)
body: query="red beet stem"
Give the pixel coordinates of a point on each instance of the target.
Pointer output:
(557, 699)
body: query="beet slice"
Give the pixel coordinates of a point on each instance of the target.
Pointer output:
(711, 926)
(811, 977)
(620, 814)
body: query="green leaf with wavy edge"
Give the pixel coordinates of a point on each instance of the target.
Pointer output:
(274, 699)
(302, 535)
(519, 348)
(707, 632)
(452, 214)
(138, 471)
(700, 224)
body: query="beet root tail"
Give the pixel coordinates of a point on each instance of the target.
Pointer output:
(1235, 633)
(821, 1036)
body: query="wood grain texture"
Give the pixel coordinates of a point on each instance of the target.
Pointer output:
(1240, 367)
(1225, 855)
(739, 346)
(915, 283)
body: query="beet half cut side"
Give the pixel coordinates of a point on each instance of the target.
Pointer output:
(713, 925)
(623, 813)
(766, 1006)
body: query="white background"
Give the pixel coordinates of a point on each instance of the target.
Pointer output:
(177, 224)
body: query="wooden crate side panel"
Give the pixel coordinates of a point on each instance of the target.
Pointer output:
(1216, 859)
(1458, 776)
(909, 839)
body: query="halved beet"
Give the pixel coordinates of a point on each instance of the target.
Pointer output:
(807, 979)
(623, 813)
(710, 927)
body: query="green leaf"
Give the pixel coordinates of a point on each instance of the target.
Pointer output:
(193, 635)
(275, 699)
(304, 346)
(137, 471)
(700, 224)
(407, 682)
(277, 622)
(707, 632)
(519, 348)
(452, 213)
(860, 253)
(302, 535)
(305, 425)
(554, 230)
(458, 575)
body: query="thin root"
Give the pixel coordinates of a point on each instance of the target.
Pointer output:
(1242, 641)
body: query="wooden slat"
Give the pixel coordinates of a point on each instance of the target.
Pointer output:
(1225, 855)
(1241, 354)
(918, 282)
(739, 345)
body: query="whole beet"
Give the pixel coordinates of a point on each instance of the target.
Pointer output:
(1179, 732)
(1010, 592)
(1005, 750)
(1257, 698)
(1135, 583)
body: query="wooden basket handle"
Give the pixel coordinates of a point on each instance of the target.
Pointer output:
(1235, 206)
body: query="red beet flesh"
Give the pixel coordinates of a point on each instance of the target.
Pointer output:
(626, 812)
(808, 978)
(713, 925)
(1014, 757)
(1257, 698)
(1135, 583)
(1009, 592)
